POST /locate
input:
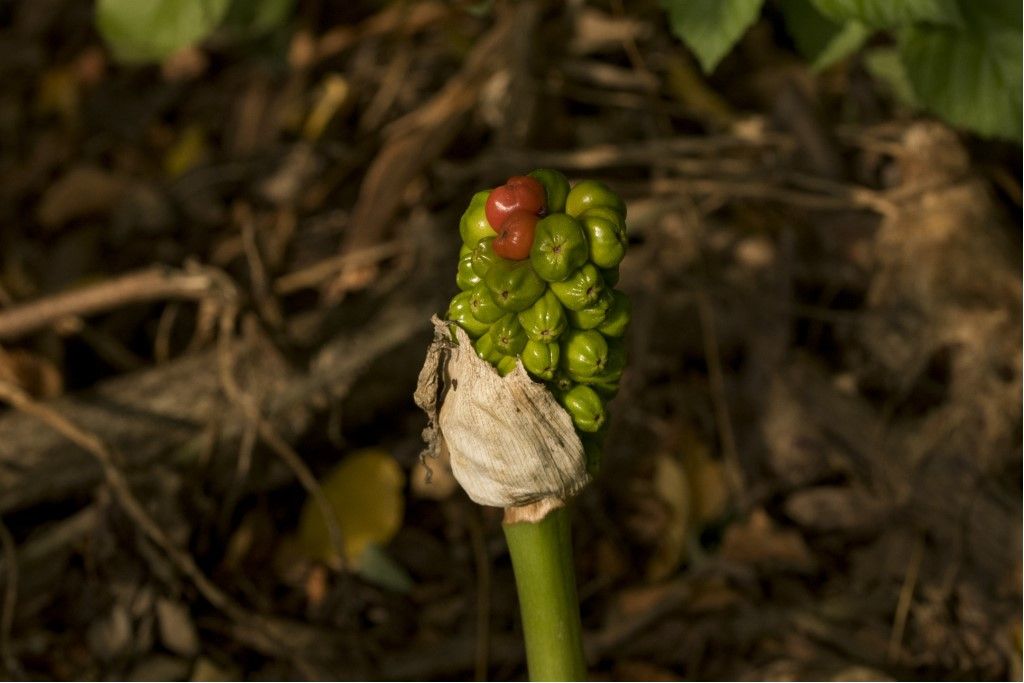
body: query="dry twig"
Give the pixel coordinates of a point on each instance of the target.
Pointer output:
(151, 284)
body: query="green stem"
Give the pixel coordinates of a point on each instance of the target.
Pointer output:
(542, 560)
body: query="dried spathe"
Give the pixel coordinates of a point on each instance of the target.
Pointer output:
(510, 442)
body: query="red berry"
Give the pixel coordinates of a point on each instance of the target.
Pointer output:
(516, 236)
(519, 193)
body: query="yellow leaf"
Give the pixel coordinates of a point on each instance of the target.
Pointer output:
(688, 86)
(708, 486)
(365, 492)
(188, 151)
(58, 94)
(673, 490)
(333, 95)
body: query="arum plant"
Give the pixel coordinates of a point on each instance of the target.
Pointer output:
(517, 381)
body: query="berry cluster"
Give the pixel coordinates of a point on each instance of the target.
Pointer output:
(537, 271)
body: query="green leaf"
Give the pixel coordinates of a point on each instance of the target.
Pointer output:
(711, 27)
(820, 39)
(257, 17)
(149, 30)
(992, 15)
(971, 78)
(889, 13)
(885, 66)
(377, 567)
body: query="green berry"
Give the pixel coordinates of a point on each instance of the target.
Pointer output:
(584, 354)
(611, 372)
(514, 284)
(473, 225)
(585, 407)
(506, 365)
(606, 235)
(482, 256)
(483, 305)
(581, 290)
(486, 349)
(619, 314)
(465, 278)
(559, 247)
(592, 316)
(556, 188)
(590, 193)
(561, 382)
(541, 359)
(508, 335)
(545, 320)
(460, 311)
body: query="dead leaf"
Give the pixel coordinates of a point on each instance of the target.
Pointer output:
(835, 508)
(672, 488)
(177, 632)
(708, 486)
(81, 192)
(760, 542)
(208, 670)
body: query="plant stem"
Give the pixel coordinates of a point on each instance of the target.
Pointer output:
(546, 582)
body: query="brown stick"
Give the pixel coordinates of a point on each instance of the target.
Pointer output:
(151, 284)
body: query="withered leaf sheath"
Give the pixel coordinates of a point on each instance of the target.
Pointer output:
(510, 442)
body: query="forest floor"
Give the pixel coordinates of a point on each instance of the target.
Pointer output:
(216, 280)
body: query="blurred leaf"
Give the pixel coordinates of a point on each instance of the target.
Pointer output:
(58, 93)
(149, 30)
(971, 78)
(672, 488)
(992, 15)
(81, 192)
(686, 84)
(759, 541)
(365, 492)
(820, 39)
(843, 44)
(889, 13)
(187, 152)
(711, 27)
(333, 95)
(376, 566)
(885, 66)
(709, 489)
(256, 17)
